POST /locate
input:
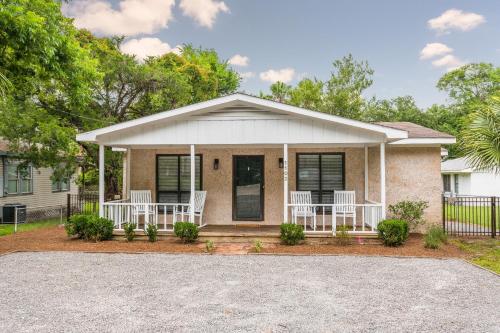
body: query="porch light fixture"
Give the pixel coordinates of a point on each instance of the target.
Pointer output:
(280, 162)
(216, 164)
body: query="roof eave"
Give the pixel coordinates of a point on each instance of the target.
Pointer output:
(425, 141)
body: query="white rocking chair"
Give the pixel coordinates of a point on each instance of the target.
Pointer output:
(142, 205)
(345, 204)
(299, 198)
(199, 205)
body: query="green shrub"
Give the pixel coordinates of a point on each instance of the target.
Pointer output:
(291, 234)
(393, 232)
(186, 231)
(152, 232)
(257, 246)
(99, 229)
(90, 227)
(409, 211)
(343, 237)
(435, 237)
(210, 246)
(129, 229)
(75, 226)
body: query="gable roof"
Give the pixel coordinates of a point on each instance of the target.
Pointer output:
(456, 165)
(238, 98)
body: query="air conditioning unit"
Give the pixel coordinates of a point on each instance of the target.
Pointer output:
(9, 213)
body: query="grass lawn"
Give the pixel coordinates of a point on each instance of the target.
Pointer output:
(484, 252)
(480, 215)
(7, 229)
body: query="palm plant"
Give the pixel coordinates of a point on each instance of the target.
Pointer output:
(4, 86)
(480, 141)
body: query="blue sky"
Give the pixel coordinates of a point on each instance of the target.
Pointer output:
(296, 39)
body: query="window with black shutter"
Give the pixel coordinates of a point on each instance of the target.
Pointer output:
(322, 174)
(173, 178)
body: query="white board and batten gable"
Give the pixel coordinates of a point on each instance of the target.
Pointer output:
(240, 119)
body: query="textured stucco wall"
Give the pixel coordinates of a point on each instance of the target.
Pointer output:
(411, 174)
(218, 183)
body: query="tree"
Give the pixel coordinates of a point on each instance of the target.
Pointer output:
(471, 84)
(280, 92)
(307, 94)
(397, 109)
(51, 78)
(470, 87)
(64, 81)
(344, 89)
(481, 140)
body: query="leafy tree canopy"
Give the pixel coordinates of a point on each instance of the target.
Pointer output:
(56, 80)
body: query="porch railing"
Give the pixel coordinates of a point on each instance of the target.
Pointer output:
(163, 215)
(368, 216)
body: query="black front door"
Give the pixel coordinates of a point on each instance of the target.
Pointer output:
(248, 188)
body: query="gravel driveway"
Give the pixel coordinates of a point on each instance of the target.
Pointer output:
(68, 291)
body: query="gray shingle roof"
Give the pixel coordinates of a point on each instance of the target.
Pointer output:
(414, 130)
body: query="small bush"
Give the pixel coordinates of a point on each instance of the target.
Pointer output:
(210, 246)
(343, 237)
(291, 234)
(152, 232)
(393, 232)
(186, 231)
(129, 229)
(257, 246)
(435, 237)
(75, 226)
(90, 227)
(99, 229)
(409, 211)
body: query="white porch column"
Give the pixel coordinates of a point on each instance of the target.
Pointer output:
(192, 173)
(101, 180)
(285, 182)
(382, 178)
(366, 173)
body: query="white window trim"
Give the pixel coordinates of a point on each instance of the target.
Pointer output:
(20, 180)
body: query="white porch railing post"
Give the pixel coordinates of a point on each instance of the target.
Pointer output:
(101, 180)
(366, 172)
(382, 178)
(285, 182)
(192, 184)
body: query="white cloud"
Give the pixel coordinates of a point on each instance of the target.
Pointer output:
(203, 12)
(131, 17)
(284, 75)
(448, 61)
(434, 49)
(455, 19)
(145, 47)
(246, 75)
(239, 60)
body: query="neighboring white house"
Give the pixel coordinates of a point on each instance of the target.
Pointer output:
(459, 178)
(33, 188)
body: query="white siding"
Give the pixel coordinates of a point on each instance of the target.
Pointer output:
(257, 128)
(485, 183)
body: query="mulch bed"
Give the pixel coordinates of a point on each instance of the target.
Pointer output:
(55, 239)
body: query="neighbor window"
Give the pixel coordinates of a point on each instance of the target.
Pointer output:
(60, 185)
(19, 180)
(173, 177)
(456, 176)
(322, 174)
(447, 183)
